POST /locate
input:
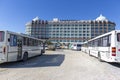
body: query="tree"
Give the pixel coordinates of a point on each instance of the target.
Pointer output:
(49, 42)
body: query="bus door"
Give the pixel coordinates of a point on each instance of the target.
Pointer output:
(19, 45)
(43, 47)
(2, 48)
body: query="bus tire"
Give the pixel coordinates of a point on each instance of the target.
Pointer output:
(99, 57)
(41, 52)
(25, 56)
(89, 53)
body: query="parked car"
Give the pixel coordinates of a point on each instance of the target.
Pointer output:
(52, 47)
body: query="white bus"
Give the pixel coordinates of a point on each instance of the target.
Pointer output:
(106, 47)
(15, 46)
(76, 46)
(84, 47)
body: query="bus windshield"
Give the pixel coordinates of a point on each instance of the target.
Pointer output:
(1, 36)
(118, 37)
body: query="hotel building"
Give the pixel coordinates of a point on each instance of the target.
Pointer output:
(69, 31)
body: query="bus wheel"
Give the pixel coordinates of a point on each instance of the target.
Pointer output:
(99, 57)
(41, 52)
(25, 56)
(89, 53)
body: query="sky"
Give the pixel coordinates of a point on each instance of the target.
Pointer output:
(14, 14)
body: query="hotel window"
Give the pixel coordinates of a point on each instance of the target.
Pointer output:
(87, 34)
(65, 28)
(96, 31)
(100, 25)
(83, 34)
(68, 31)
(83, 31)
(72, 25)
(113, 28)
(75, 34)
(76, 25)
(80, 28)
(105, 24)
(88, 25)
(105, 28)
(64, 40)
(75, 40)
(64, 34)
(72, 34)
(84, 25)
(68, 34)
(72, 40)
(92, 34)
(80, 25)
(87, 31)
(72, 28)
(109, 25)
(54, 25)
(96, 24)
(80, 34)
(88, 28)
(84, 28)
(61, 25)
(65, 31)
(105, 31)
(76, 28)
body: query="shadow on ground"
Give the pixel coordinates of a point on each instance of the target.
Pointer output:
(115, 64)
(46, 60)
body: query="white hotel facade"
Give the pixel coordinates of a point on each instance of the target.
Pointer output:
(69, 31)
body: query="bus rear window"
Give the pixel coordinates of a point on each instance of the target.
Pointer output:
(78, 45)
(118, 37)
(1, 36)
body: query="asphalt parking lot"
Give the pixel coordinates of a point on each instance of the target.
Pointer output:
(60, 65)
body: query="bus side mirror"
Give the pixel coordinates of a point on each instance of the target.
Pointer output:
(8, 39)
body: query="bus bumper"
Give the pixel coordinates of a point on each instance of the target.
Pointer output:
(116, 60)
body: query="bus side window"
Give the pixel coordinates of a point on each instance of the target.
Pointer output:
(8, 39)
(24, 41)
(13, 40)
(118, 37)
(109, 40)
(109, 44)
